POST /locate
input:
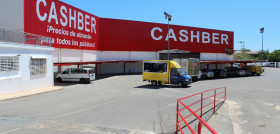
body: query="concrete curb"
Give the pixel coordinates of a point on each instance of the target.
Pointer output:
(29, 93)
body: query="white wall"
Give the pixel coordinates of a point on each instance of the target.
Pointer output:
(113, 55)
(11, 14)
(118, 68)
(144, 56)
(71, 55)
(21, 80)
(215, 56)
(126, 56)
(133, 67)
(74, 55)
(110, 68)
(213, 66)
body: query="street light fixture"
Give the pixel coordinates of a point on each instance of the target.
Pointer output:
(242, 45)
(168, 16)
(262, 30)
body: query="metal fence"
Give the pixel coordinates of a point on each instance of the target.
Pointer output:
(192, 115)
(13, 36)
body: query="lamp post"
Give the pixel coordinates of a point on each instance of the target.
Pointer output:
(242, 45)
(262, 30)
(168, 17)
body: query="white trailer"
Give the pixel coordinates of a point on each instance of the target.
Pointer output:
(191, 66)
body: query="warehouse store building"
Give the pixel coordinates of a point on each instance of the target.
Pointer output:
(113, 46)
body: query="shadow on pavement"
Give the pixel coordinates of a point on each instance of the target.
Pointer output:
(97, 77)
(230, 77)
(149, 86)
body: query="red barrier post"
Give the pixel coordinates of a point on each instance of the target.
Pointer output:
(225, 93)
(177, 116)
(199, 124)
(214, 110)
(201, 121)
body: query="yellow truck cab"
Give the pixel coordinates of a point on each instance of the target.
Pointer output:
(161, 72)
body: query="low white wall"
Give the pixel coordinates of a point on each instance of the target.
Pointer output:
(12, 82)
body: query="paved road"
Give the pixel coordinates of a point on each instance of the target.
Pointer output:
(125, 104)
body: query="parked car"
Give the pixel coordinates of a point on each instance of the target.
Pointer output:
(247, 71)
(236, 65)
(271, 64)
(235, 72)
(83, 75)
(219, 73)
(207, 73)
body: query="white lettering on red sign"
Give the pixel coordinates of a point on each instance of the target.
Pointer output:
(77, 19)
(195, 36)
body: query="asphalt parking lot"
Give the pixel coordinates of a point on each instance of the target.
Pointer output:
(126, 104)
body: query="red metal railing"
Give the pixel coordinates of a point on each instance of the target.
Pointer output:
(203, 97)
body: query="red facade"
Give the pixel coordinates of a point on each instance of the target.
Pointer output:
(124, 35)
(69, 27)
(73, 28)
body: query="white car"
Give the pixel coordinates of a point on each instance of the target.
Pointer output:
(83, 75)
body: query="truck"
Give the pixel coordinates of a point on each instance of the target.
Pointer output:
(161, 72)
(191, 66)
(255, 69)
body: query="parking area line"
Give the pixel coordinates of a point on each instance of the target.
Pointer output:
(92, 107)
(10, 131)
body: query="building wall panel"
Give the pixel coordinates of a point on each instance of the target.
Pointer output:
(112, 55)
(143, 55)
(71, 55)
(133, 68)
(215, 56)
(110, 68)
(11, 14)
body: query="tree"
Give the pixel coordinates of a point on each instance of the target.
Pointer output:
(263, 55)
(242, 56)
(274, 56)
(247, 50)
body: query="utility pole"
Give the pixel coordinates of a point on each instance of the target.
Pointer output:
(262, 31)
(168, 16)
(242, 46)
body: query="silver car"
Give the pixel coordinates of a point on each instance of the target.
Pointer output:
(207, 73)
(83, 75)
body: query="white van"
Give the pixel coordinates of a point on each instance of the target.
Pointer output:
(83, 75)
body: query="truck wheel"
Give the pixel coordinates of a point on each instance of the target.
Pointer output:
(59, 80)
(154, 83)
(203, 77)
(82, 80)
(159, 83)
(180, 84)
(258, 74)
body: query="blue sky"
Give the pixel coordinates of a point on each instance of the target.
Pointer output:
(243, 17)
